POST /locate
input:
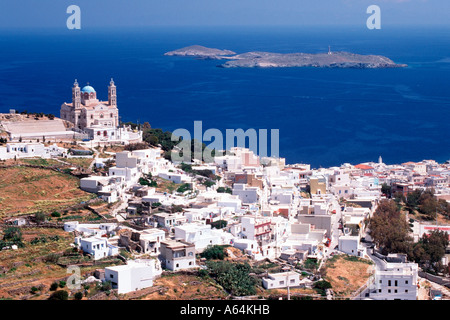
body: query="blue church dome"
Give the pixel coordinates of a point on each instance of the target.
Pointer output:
(88, 89)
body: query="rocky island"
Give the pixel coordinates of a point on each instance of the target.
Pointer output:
(282, 60)
(200, 52)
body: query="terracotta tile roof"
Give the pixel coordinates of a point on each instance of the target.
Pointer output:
(363, 167)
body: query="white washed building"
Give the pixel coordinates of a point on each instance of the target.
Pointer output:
(135, 275)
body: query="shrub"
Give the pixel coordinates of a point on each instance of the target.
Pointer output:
(59, 295)
(216, 252)
(202, 273)
(321, 286)
(52, 257)
(219, 224)
(34, 290)
(56, 214)
(62, 284)
(106, 286)
(184, 187)
(78, 296)
(54, 286)
(39, 217)
(224, 190)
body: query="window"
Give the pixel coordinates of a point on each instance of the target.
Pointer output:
(379, 290)
(111, 276)
(395, 291)
(406, 281)
(177, 265)
(389, 282)
(396, 283)
(406, 291)
(292, 280)
(281, 282)
(389, 290)
(381, 281)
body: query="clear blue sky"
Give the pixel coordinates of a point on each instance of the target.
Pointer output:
(129, 13)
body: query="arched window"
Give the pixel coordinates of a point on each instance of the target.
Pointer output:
(101, 115)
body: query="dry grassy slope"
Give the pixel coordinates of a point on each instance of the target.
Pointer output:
(26, 267)
(25, 190)
(345, 274)
(184, 287)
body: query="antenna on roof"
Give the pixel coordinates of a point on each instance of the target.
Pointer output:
(329, 49)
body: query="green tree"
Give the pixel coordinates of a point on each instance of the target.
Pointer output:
(13, 235)
(389, 229)
(435, 244)
(233, 277)
(427, 204)
(386, 189)
(39, 217)
(443, 207)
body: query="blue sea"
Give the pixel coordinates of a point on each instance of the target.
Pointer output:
(326, 117)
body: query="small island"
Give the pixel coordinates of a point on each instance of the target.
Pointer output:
(200, 52)
(260, 59)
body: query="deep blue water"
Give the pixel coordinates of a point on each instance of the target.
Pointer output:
(326, 116)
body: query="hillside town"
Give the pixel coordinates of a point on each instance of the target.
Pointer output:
(164, 217)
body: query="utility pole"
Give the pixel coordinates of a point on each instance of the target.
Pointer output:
(288, 289)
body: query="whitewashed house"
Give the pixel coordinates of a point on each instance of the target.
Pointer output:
(150, 240)
(351, 245)
(247, 195)
(398, 282)
(22, 150)
(177, 255)
(108, 188)
(135, 275)
(281, 280)
(201, 235)
(98, 248)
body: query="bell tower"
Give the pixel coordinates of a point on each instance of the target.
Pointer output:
(112, 95)
(76, 95)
